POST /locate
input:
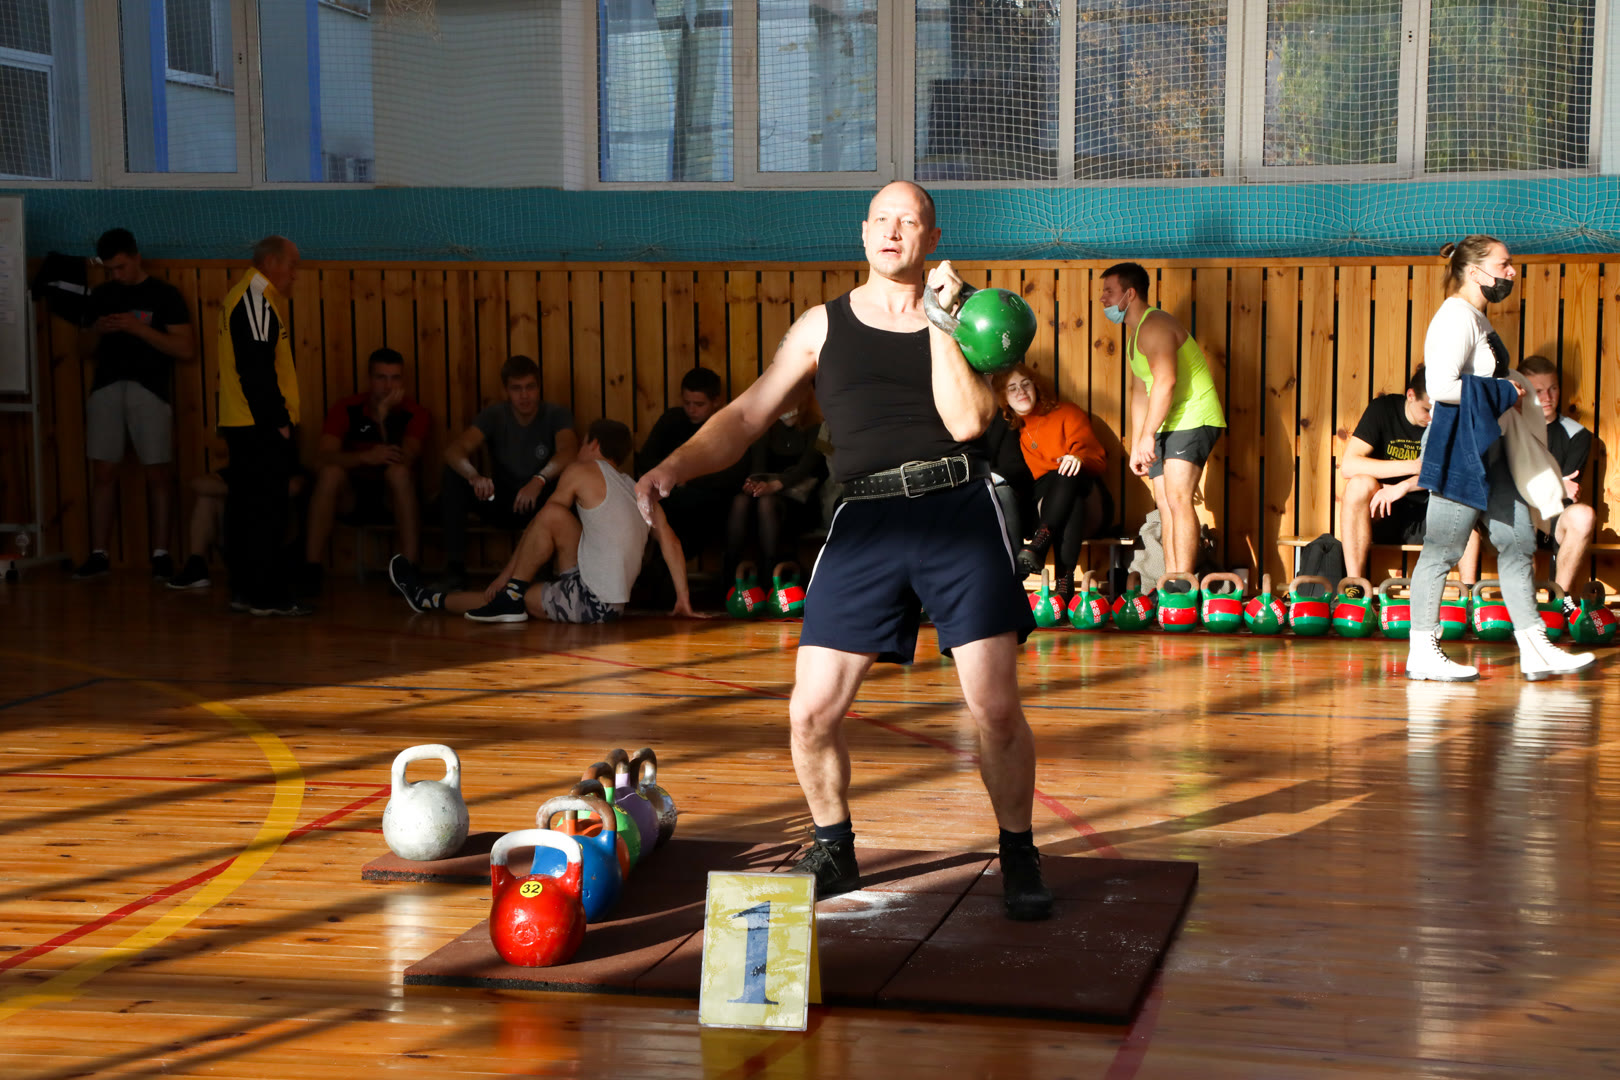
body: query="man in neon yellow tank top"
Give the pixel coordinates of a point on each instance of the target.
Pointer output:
(1175, 409)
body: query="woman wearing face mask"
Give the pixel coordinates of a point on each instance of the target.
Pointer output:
(1465, 468)
(1067, 461)
(787, 467)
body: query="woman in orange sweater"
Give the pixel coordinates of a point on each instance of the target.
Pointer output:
(1067, 461)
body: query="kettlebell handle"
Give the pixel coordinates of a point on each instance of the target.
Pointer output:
(1236, 582)
(1310, 579)
(589, 804)
(936, 313)
(601, 770)
(776, 571)
(644, 767)
(1366, 586)
(621, 766)
(1454, 587)
(452, 763)
(1486, 583)
(1179, 575)
(1388, 584)
(1555, 591)
(536, 838)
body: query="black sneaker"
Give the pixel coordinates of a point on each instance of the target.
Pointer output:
(506, 607)
(403, 574)
(95, 566)
(833, 865)
(193, 575)
(284, 607)
(1354, 592)
(1572, 610)
(1030, 563)
(1023, 893)
(163, 567)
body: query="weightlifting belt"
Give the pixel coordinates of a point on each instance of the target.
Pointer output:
(916, 478)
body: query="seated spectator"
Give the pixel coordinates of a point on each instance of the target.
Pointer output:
(1067, 462)
(1571, 444)
(597, 554)
(140, 325)
(208, 524)
(530, 443)
(1014, 486)
(365, 463)
(697, 509)
(778, 498)
(1382, 501)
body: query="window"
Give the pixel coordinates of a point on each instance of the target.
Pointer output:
(180, 111)
(189, 27)
(25, 136)
(818, 85)
(44, 107)
(315, 75)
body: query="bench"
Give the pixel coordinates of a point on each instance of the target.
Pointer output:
(1297, 542)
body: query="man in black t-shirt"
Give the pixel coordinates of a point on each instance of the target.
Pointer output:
(1571, 444)
(139, 326)
(696, 509)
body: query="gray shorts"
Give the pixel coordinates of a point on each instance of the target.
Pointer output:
(570, 600)
(127, 405)
(1188, 444)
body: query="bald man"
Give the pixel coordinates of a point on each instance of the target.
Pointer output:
(258, 407)
(919, 527)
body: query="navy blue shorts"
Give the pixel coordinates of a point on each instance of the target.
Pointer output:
(887, 559)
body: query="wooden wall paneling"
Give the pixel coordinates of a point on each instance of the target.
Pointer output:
(1428, 293)
(212, 285)
(1110, 409)
(1039, 290)
(308, 343)
(836, 283)
(806, 290)
(1391, 292)
(369, 331)
(1579, 361)
(618, 365)
(742, 320)
(489, 304)
(709, 295)
(337, 314)
(1353, 375)
(1070, 301)
(775, 313)
(556, 338)
(1316, 419)
(523, 318)
(585, 300)
(1246, 388)
(1540, 285)
(1281, 419)
(399, 322)
(647, 296)
(52, 453)
(1605, 476)
(461, 350)
(16, 474)
(70, 379)
(680, 329)
(433, 390)
(1507, 318)
(1209, 327)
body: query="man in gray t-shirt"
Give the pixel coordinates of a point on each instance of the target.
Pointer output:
(530, 442)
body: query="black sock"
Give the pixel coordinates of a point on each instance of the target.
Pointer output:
(841, 833)
(1014, 840)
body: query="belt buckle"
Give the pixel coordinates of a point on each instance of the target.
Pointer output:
(904, 486)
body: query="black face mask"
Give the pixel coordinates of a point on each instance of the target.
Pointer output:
(1497, 291)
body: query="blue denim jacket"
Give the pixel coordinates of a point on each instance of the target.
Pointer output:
(1458, 438)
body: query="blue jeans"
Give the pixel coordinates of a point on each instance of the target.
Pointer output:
(1445, 536)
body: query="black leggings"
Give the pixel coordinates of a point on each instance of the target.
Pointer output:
(1073, 509)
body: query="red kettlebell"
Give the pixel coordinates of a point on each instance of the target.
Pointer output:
(592, 826)
(644, 767)
(626, 795)
(536, 920)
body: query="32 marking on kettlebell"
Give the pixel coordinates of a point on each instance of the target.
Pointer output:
(530, 888)
(758, 951)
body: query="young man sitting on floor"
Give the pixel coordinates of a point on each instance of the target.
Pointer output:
(598, 554)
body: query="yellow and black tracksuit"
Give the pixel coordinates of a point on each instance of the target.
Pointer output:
(258, 397)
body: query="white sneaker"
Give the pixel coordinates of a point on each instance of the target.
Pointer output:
(1541, 659)
(1425, 661)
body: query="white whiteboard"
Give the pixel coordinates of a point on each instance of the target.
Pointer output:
(13, 298)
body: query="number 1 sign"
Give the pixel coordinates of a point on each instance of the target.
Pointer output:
(758, 951)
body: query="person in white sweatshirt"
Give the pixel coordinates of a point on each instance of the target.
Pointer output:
(1468, 479)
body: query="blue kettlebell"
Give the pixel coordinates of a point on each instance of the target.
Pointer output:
(602, 880)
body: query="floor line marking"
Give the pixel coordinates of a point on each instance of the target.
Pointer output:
(173, 779)
(14, 702)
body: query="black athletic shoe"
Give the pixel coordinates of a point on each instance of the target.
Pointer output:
(833, 865)
(193, 575)
(1023, 893)
(95, 566)
(506, 607)
(1354, 592)
(163, 567)
(1572, 610)
(1030, 563)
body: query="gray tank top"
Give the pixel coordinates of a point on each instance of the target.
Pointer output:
(613, 539)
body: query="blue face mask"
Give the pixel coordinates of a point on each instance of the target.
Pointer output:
(1114, 314)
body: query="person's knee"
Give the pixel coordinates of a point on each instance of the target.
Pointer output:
(1577, 522)
(1358, 492)
(399, 477)
(329, 478)
(813, 717)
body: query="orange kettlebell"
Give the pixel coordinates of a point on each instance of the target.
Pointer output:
(536, 920)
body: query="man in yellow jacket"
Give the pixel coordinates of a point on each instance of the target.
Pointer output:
(258, 408)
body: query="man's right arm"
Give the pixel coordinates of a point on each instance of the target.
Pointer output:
(458, 455)
(1358, 461)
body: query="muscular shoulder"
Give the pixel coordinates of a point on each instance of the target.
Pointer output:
(801, 345)
(1160, 332)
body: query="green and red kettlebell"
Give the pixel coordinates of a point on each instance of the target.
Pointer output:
(625, 795)
(1089, 608)
(787, 594)
(1310, 615)
(602, 773)
(1489, 618)
(1133, 610)
(1594, 624)
(746, 599)
(1221, 609)
(1453, 611)
(1551, 610)
(601, 877)
(1264, 614)
(536, 920)
(644, 766)
(1178, 609)
(993, 327)
(1353, 616)
(1395, 612)
(1047, 609)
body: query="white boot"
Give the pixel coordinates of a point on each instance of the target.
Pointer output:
(1541, 659)
(1424, 660)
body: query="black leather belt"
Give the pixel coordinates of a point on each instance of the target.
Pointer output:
(916, 478)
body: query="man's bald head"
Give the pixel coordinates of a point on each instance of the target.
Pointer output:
(276, 257)
(272, 247)
(925, 201)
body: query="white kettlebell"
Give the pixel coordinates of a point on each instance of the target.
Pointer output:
(426, 820)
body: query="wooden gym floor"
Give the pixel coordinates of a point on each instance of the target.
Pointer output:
(1397, 880)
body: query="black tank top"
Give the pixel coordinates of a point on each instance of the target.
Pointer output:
(876, 390)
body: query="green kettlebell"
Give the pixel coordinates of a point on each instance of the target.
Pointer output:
(1178, 610)
(628, 830)
(1133, 610)
(1489, 618)
(1047, 609)
(1221, 610)
(1595, 624)
(993, 327)
(1551, 610)
(746, 599)
(787, 595)
(1453, 611)
(1089, 608)
(1264, 614)
(1353, 616)
(1395, 612)
(1308, 614)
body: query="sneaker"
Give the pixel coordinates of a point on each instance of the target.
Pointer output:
(1541, 659)
(403, 575)
(1426, 660)
(1029, 563)
(1023, 892)
(163, 566)
(95, 566)
(285, 607)
(193, 575)
(833, 865)
(1354, 592)
(1572, 610)
(506, 607)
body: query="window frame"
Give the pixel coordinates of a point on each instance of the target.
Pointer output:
(46, 65)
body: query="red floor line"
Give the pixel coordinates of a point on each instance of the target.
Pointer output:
(171, 779)
(67, 937)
